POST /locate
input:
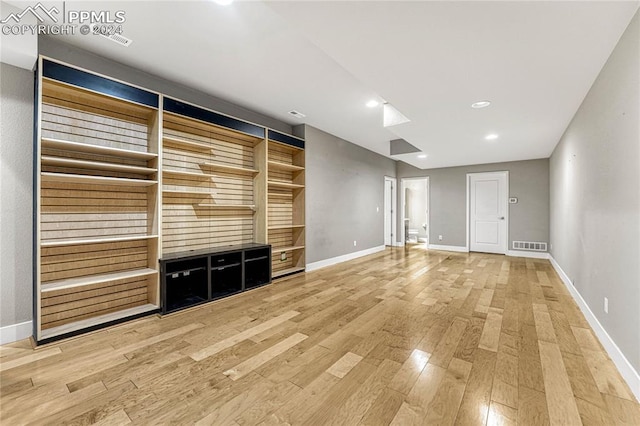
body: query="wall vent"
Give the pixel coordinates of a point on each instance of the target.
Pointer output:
(529, 245)
(116, 38)
(297, 114)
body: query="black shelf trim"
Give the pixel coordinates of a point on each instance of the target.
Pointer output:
(96, 83)
(286, 139)
(192, 111)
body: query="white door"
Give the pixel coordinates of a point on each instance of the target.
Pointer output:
(389, 217)
(488, 203)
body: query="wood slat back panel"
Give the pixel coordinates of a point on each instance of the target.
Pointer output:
(87, 211)
(280, 153)
(186, 224)
(63, 307)
(79, 116)
(281, 238)
(278, 265)
(280, 210)
(90, 259)
(196, 127)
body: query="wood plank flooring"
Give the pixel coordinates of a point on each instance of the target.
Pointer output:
(402, 337)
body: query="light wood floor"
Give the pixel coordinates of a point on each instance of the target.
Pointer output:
(400, 337)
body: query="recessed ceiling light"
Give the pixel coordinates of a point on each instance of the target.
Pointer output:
(223, 2)
(480, 104)
(373, 103)
(491, 137)
(422, 156)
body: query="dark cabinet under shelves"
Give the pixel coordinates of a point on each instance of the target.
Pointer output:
(257, 267)
(196, 277)
(226, 274)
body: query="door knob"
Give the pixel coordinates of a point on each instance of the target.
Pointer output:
(501, 218)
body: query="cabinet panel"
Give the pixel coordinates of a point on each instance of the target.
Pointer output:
(186, 284)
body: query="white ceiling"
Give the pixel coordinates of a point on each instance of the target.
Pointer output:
(534, 60)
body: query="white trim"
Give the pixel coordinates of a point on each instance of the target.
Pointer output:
(344, 258)
(629, 374)
(468, 224)
(530, 254)
(459, 249)
(398, 244)
(13, 333)
(394, 207)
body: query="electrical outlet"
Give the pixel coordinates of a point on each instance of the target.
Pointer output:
(439, 237)
(355, 243)
(283, 256)
(606, 305)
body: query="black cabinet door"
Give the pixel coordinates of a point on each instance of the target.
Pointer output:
(257, 267)
(226, 274)
(186, 283)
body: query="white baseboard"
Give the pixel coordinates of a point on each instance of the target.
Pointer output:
(530, 254)
(459, 249)
(629, 374)
(398, 244)
(13, 333)
(339, 259)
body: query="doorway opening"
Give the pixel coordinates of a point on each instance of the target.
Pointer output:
(415, 210)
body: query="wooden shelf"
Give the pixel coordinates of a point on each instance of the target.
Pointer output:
(186, 193)
(280, 194)
(287, 271)
(96, 149)
(96, 279)
(276, 184)
(225, 168)
(228, 206)
(283, 249)
(101, 319)
(95, 165)
(185, 143)
(97, 240)
(95, 180)
(284, 166)
(270, 228)
(179, 173)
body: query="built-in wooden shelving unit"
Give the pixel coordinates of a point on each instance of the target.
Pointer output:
(286, 218)
(97, 201)
(125, 176)
(203, 158)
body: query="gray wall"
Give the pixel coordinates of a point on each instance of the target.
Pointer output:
(595, 196)
(344, 186)
(528, 219)
(16, 189)
(55, 49)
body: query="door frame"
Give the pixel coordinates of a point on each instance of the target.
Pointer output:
(394, 209)
(506, 211)
(402, 196)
